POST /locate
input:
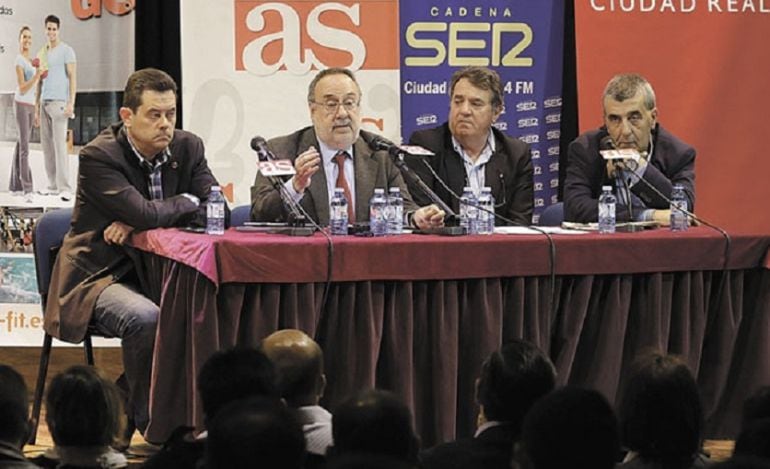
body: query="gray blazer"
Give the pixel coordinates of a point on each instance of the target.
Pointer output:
(373, 169)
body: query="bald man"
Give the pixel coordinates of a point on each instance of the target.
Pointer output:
(301, 381)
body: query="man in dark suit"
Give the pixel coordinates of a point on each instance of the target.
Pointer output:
(630, 121)
(135, 175)
(470, 152)
(334, 152)
(512, 380)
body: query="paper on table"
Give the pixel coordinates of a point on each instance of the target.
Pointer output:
(514, 230)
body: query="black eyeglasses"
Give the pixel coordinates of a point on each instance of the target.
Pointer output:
(332, 106)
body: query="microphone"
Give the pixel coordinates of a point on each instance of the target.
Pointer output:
(377, 142)
(273, 169)
(610, 152)
(604, 144)
(398, 152)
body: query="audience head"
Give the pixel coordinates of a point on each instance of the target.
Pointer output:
(512, 379)
(83, 408)
(743, 462)
(233, 374)
(256, 432)
(660, 411)
(299, 365)
(375, 422)
(334, 98)
(367, 461)
(757, 406)
(754, 438)
(571, 427)
(14, 407)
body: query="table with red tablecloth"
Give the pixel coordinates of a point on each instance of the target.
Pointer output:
(417, 314)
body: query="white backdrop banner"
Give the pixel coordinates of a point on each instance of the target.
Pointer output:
(247, 65)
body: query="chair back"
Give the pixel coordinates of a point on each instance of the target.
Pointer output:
(240, 215)
(553, 215)
(47, 239)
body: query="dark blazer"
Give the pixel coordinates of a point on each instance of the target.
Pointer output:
(373, 169)
(112, 186)
(508, 172)
(490, 450)
(673, 162)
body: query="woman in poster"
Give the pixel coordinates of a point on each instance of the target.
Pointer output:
(27, 76)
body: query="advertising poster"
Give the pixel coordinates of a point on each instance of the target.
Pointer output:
(521, 40)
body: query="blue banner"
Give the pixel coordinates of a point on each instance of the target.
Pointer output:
(520, 39)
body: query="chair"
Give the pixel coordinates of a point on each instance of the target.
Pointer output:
(240, 215)
(47, 238)
(553, 215)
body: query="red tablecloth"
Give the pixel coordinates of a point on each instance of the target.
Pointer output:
(418, 314)
(258, 257)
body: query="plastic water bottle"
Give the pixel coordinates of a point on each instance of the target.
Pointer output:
(378, 221)
(607, 204)
(679, 220)
(469, 214)
(339, 213)
(215, 212)
(486, 211)
(395, 211)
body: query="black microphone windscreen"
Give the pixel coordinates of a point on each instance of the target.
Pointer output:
(606, 143)
(380, 143)
(258, 143)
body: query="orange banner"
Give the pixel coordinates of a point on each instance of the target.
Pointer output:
(708, 62)
(300, 35)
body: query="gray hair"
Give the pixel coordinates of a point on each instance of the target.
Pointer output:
(626, 86)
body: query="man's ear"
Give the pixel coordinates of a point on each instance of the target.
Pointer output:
(321, 385)
(126, 115)
(654, 115)
(498, 110)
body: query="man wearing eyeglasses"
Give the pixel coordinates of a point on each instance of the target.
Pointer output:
(334, 153)
(630, 122)
(470, 152)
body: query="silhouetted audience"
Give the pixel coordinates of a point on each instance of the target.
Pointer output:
(754, 438)
(569, 428)
(367, 461)
(84, 413)
(14, 419)
(661, 416)
(256, 432)
(301, 381)
(512, 379)
(743, 462)
(227, 376)
(374, 422)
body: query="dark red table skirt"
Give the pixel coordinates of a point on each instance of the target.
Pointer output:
(417, 315)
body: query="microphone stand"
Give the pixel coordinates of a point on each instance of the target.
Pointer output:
(296, 220)
(451, 228)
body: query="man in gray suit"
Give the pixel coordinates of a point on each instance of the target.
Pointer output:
(334, 153)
